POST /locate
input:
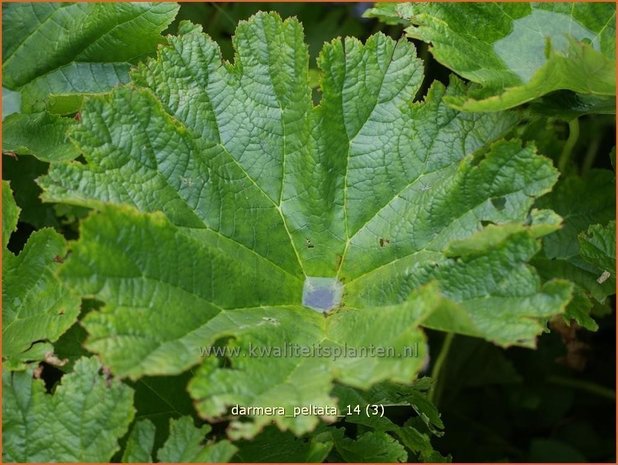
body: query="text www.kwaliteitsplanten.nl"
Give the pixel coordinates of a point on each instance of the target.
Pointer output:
(293, 350)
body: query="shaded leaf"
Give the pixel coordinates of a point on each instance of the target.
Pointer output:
(62, 91)
(416, 433)
(10, 213)
(157, 399)
(186, 444)
(22, 172)
(582, 202)
(37, 307)
(598, 246)
(140, 443)
(370, 447)
(80, 422)
(272, 446)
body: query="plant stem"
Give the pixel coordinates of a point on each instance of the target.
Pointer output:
(436, 388)
(584, 386)
(567, 150)
(591, 154)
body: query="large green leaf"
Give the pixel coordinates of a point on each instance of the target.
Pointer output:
(36, 307)
(517, 52)
(54, 54)
(172, 283)
(271, 204)
(80, 422)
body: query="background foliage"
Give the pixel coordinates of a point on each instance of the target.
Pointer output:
(555, 403)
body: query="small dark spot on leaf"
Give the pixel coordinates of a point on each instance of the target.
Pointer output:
(384, 242)
(309, 244)
(58, 259)
(339, 258)
(485, 223)
(77, 117)
(498, 203)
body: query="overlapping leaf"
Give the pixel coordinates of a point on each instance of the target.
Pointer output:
(598, 247)
(260, 190)
(56, 53)
(414, 437)
(372, 447)
(186, 444)
(41, 134)
(36, 307)
(80, 422)
(140, 443)
(583, 202)
(519, 51)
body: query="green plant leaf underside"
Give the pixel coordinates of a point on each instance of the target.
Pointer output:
(253, 190)
(517, 52)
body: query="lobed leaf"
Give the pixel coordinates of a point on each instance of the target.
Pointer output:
(80, 422)
(256, 193)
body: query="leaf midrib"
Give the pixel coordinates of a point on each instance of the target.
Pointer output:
(76, 55)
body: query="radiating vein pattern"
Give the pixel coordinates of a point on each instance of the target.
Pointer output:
(224, 192)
